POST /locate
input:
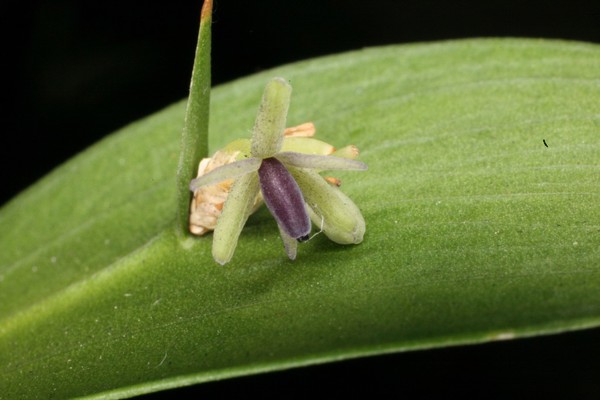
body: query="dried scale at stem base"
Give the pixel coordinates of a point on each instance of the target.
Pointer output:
(280, 166)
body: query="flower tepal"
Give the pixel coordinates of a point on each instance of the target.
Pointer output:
(288, 181)
(284, 198)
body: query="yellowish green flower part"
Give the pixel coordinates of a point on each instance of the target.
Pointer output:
(282, 170)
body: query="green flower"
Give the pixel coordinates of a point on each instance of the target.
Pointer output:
(290, 185)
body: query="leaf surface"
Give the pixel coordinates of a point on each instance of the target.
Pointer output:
(476, 231)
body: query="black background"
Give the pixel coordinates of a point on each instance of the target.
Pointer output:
(76, 70)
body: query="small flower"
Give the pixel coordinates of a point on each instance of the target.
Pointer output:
(208, 200)
(289, 183)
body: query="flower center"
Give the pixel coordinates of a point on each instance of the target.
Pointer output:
(284, 198)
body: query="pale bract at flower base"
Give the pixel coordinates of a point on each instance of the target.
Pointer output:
(280, 167)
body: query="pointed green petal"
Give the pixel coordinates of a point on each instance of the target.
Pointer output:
(270, 121)
(327, 163)
(290, 244)
(241, 145)
(341, 219)
(227, 171)
(350, 151)
(307, 145)
(236, 210)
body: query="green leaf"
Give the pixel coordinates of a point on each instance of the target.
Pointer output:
(194, 141)
(476, 231)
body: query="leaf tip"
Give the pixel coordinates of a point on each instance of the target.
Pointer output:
(206, 10)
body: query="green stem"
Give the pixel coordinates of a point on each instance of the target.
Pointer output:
(194, 141)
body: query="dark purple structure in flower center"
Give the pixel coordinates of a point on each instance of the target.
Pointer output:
(284, 198)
